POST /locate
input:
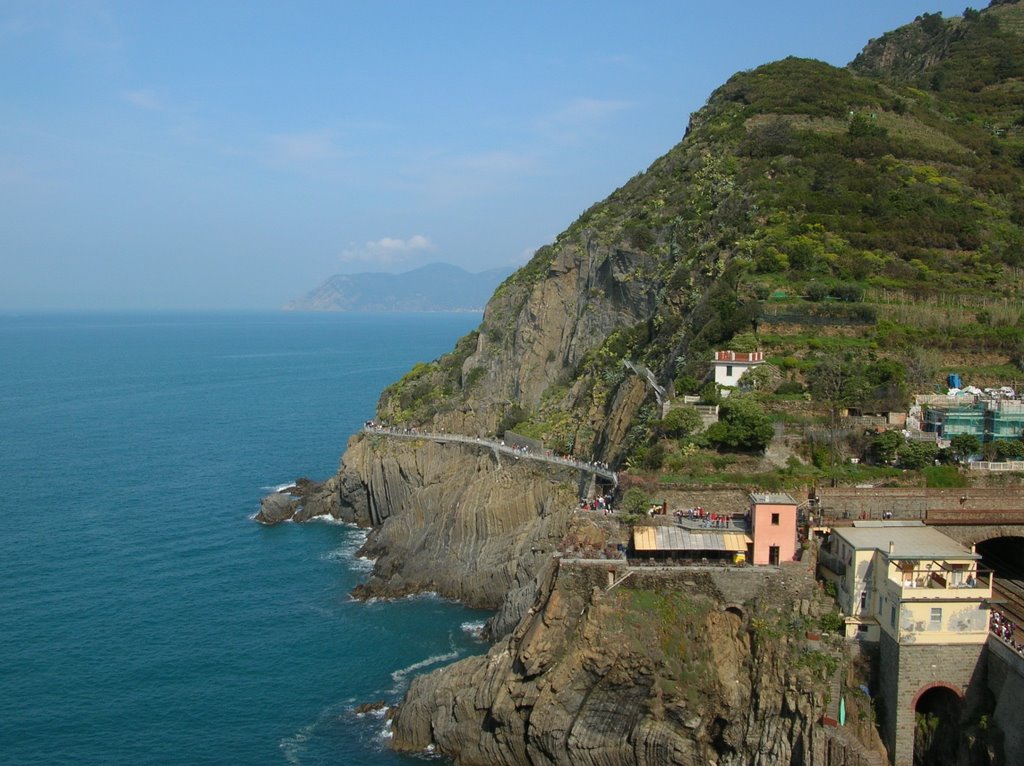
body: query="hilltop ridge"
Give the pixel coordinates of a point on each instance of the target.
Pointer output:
(803, 195)
(863, 226)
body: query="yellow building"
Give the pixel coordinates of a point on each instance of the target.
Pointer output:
(923, 599)
(908, 580)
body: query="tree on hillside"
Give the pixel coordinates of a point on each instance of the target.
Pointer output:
(756, 378)
(838, 383)
(635, 500)
(918, 455)
(742, 425)
(1010, 449)
(885, 446)
(964, 445)
(681, 422)
(710, 394)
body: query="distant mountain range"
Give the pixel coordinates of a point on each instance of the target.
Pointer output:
(435, 287)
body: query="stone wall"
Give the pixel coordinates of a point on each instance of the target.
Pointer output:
(1006, 682)
(908, 671)
(917, 503)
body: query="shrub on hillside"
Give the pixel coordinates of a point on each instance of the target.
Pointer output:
(742, 425)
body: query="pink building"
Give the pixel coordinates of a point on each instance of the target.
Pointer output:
(773, 527)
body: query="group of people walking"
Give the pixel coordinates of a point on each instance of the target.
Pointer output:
(1003, 627)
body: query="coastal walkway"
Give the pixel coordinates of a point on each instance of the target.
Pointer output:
(499, 447)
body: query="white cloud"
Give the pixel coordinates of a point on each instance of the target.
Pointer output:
(500, 162)
(145, 99)
(581, 115)
(306, 147)
(589, 109)
(387, 251)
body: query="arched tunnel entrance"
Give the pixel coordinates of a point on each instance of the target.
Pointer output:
(937, 727)
(1005, 556)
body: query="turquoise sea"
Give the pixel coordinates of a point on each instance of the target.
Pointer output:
(144, 617)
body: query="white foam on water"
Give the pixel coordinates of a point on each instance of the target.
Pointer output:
(278, 487)
(347, 552)
(326, 518)
(294, 747)
(474, 628)
(401, 677)
(381, 712)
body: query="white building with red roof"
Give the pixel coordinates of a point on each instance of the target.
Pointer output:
(730, 366)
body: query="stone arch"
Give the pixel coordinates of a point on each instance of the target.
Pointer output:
(958, 691)
(975, 535)
(736, 609)
(937, 713)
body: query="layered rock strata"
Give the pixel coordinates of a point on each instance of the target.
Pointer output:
(663, 668)
(455, 519)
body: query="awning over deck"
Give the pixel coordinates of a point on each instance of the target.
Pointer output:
(676, 539)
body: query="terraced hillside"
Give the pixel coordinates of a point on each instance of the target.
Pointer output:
(867, 219)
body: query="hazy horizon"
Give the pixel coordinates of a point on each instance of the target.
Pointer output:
(233, 156)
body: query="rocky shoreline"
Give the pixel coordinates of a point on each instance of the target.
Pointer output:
(578, 673)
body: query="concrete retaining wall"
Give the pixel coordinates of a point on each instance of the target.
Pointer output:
(908, 671)
(1006, 682)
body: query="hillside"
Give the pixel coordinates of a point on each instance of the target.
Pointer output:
(863, 227)
(435, 287)
(858, 216)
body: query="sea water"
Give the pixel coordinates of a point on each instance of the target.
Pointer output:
(144, 616)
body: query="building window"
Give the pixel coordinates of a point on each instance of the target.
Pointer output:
(892, 616)
(864, 600)
(775, 519)
(728, 370)
(936, 618)
(862, 628)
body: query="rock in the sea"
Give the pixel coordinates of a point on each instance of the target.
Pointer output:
(304, 500)
(276, 507)
(370, 707)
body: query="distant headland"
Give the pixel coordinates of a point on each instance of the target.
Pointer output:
(435, 287)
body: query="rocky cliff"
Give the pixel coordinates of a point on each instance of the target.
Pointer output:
(799, 188)
(687, 668)
(459, 520)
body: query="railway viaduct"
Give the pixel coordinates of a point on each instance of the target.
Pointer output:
(992, 521)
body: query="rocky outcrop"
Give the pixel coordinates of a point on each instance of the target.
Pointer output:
(459, 520)
(655, 671)
(302, 501)
(277, 507)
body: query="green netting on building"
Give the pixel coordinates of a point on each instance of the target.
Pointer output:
(964, 420)
(986, 420)
(1007, 422)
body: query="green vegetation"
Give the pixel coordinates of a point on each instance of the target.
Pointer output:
(670, 627)
(635, 500)
(680, 423)
(943, 476)
(864, 226)
(742, 425)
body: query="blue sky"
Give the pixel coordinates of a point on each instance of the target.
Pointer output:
(232, 155)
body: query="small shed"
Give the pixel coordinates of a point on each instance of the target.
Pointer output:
(677, 543)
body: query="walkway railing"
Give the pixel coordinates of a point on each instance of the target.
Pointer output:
(519, 452)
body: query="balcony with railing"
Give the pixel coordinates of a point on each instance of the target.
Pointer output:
(941, 582)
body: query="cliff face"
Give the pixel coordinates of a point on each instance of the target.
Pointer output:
(458, 520)
(653, 671)
(796, 180)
